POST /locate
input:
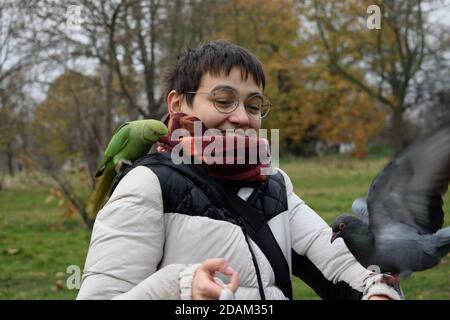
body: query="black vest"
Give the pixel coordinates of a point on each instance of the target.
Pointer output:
(268, 199)
(178, 191)
(216, 199)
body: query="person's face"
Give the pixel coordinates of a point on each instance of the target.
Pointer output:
(203, 108)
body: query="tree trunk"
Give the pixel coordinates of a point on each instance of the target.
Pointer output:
(10, 159)
(107, 87)
(397, 130)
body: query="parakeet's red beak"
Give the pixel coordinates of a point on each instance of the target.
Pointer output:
(334, 236)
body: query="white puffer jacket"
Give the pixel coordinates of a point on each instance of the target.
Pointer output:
(139, 252)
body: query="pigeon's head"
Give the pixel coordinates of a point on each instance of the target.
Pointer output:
(344, 226)
(357, 237)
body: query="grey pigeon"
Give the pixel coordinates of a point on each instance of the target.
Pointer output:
(359, 209)
(399, 230)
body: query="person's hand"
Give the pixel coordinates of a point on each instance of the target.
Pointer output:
(385, 286)
(203, 285)
(379, 298)
(390, 279)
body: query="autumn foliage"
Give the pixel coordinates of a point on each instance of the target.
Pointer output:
(308, 100)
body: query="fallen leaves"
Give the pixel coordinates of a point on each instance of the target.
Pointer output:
(59, 283)
(11, 251)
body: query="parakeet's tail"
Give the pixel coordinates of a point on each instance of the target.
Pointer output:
(443, 241)
(98, 197)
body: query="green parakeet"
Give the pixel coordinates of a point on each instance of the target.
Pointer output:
(131, 141)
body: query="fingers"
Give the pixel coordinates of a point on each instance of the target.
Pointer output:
(204, 286)
(217, 264)
(379, 297)
(221, 265)
(234, 282)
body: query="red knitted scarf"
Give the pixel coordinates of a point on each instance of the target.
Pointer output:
(230, 157)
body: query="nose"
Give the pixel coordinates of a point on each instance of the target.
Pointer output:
(239, 117)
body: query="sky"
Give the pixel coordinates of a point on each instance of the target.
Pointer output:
(440, 16)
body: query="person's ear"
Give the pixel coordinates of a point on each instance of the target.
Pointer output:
(174, 101)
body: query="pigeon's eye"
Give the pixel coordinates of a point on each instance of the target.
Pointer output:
(341, 226)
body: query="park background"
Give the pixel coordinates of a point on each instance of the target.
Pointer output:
(347, 94)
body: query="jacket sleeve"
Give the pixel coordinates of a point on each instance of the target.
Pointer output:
(329, 268)
(127, 244)
(304, 269)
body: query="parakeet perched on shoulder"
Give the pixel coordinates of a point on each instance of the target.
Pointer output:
(130, 141)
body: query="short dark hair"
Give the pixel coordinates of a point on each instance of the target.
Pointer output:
(214, 57)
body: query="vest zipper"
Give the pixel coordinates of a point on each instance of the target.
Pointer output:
(255, 262)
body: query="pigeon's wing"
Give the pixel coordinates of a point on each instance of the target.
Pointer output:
(359, 209)
(409, 189)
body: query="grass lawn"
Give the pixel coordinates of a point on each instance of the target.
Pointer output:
(37, 244)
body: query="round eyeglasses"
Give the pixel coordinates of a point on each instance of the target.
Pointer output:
(226, 100)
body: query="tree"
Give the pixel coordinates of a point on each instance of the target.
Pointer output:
(109, 66)
(269, 29)
(346, 115)
(66, 141)
(309, 103)
(16, 57)
(382, 63)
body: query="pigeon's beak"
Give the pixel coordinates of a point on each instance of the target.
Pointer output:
(334, 236)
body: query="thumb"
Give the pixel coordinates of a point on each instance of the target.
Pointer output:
(234, 282)
(234, 276)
